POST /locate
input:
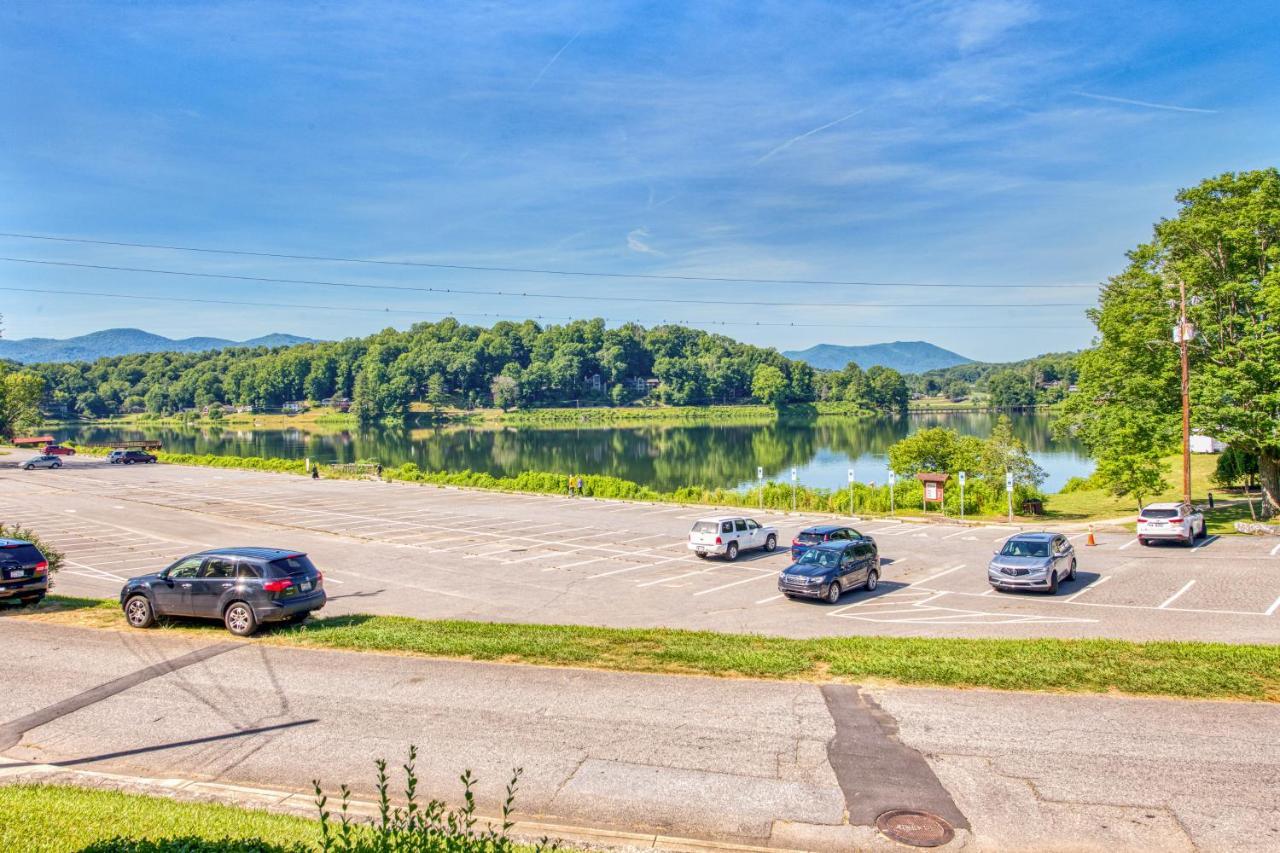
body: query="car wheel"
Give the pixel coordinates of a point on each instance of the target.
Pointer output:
(27, 467)
(731, 552)
(56, 465)
(873, 580)
(770, 544)
(1071, 575)
(239, 619)
(32, 599)
(1143, 542)
(1053, 584)
(833, 592)
(138, 612)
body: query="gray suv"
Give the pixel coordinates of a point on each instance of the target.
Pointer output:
(242, 587)
(1037, 561)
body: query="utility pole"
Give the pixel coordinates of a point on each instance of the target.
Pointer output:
(1184, 332)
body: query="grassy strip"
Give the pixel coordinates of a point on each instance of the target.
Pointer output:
(1185, 670)
(61, 818)
(682, 414)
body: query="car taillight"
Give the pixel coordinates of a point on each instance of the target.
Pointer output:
(277, 586)
(718, 542)
(42, 567)
(319, 577)
(795, 543)
(1141, 520)
(1175, 521)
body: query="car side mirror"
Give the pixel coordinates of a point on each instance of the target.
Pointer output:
(164, 574)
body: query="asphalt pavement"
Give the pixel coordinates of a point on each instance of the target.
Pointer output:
(788, 765)
(395, 548)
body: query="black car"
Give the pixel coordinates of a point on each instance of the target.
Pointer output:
(24, 572)
(830, 568)
(243, 587)
(129, 457)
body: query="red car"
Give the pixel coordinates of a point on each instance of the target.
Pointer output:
(58, 450)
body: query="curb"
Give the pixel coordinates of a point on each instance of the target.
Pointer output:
(13, 771)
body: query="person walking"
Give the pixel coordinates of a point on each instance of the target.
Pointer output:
(570, 485)
(579, 485)
(315, 471)
(379, 471)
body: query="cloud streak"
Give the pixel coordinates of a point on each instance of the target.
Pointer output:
(552, 60)
(1150, 104)
(636, 244)
(793, 140)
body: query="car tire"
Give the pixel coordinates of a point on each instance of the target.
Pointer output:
(873, 580)
(731, 552)
(56, 465)
(833, 593)
(27, 467)
(31, 600)
(1143, 542)
(1053, 584)
(770, 544)
(700, 555)
(138, 612)
(1071, 575)
(239, 619)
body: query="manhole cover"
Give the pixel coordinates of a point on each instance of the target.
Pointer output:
(919, 829)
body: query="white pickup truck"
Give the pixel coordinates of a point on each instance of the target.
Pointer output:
(1179, 522)
(727, 535)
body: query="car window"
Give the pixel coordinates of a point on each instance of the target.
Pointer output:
(704, 527)
(1160, 513)
(853, 534)
(1025, 548)
(294, 564)
(727, 527)
(752, 525)
(739, 525)
(25, 554)
(187, 568)
(823, 557)
(807, 538)
(216, 568)
(245, 569)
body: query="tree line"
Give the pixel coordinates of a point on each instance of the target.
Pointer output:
(1042, 380)
(508, 365)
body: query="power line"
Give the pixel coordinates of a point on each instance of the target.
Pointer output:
(534, 295)
(514, 317)
(529, 270)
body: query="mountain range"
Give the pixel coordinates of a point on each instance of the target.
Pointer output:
(902, 356)
(110, 342)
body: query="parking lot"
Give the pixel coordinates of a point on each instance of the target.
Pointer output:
(439, 552)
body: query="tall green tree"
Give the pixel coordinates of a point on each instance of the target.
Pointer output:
(769, 385)
(1224, 245)
(1011, 389)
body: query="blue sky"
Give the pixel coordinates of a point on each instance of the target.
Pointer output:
(1009, 142)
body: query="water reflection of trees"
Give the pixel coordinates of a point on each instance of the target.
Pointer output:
(666, 457)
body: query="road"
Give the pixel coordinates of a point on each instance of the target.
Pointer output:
(440, 552)
(766, 763)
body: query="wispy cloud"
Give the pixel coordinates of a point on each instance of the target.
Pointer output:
(793, 140)
(1150, 104)
(636, 243)
(552, 60)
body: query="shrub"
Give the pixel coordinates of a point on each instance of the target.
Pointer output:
(52, 554)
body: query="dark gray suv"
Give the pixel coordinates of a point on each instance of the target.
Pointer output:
(243, 587)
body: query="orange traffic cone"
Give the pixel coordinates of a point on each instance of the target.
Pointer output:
(1090, 540)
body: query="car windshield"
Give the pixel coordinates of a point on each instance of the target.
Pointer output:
(1025, 548)
(820, 557)
(809, 538)
(1159, 513)
(705, 527)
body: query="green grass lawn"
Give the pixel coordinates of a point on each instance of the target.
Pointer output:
(1192, 670)
(60, 819)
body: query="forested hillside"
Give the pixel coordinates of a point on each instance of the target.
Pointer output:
(1042, 379)
(508, 365)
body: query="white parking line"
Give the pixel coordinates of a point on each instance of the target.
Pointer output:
(1272, 609)
(779, 595)
(761, 576)
(1205, 541)
(938, 575)
(1275, 551)
(1127, 544)
(1098, 582)
(1171, 599)
(957, 533)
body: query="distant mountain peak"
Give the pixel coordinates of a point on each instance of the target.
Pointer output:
(109, 342)
(902, 356)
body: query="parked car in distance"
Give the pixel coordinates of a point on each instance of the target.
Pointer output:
(729, 535)
(1033, 561)
(24, 572)
(58, 450)
(1174, 521)
(819, 533)
(129, 457)
(828, 569)
(243, 587)
(42, 461)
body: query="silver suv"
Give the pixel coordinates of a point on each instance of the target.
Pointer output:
(1033, 561)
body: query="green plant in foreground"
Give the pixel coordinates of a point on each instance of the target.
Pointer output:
(429, 827)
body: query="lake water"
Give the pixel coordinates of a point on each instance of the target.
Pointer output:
(664, 457)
